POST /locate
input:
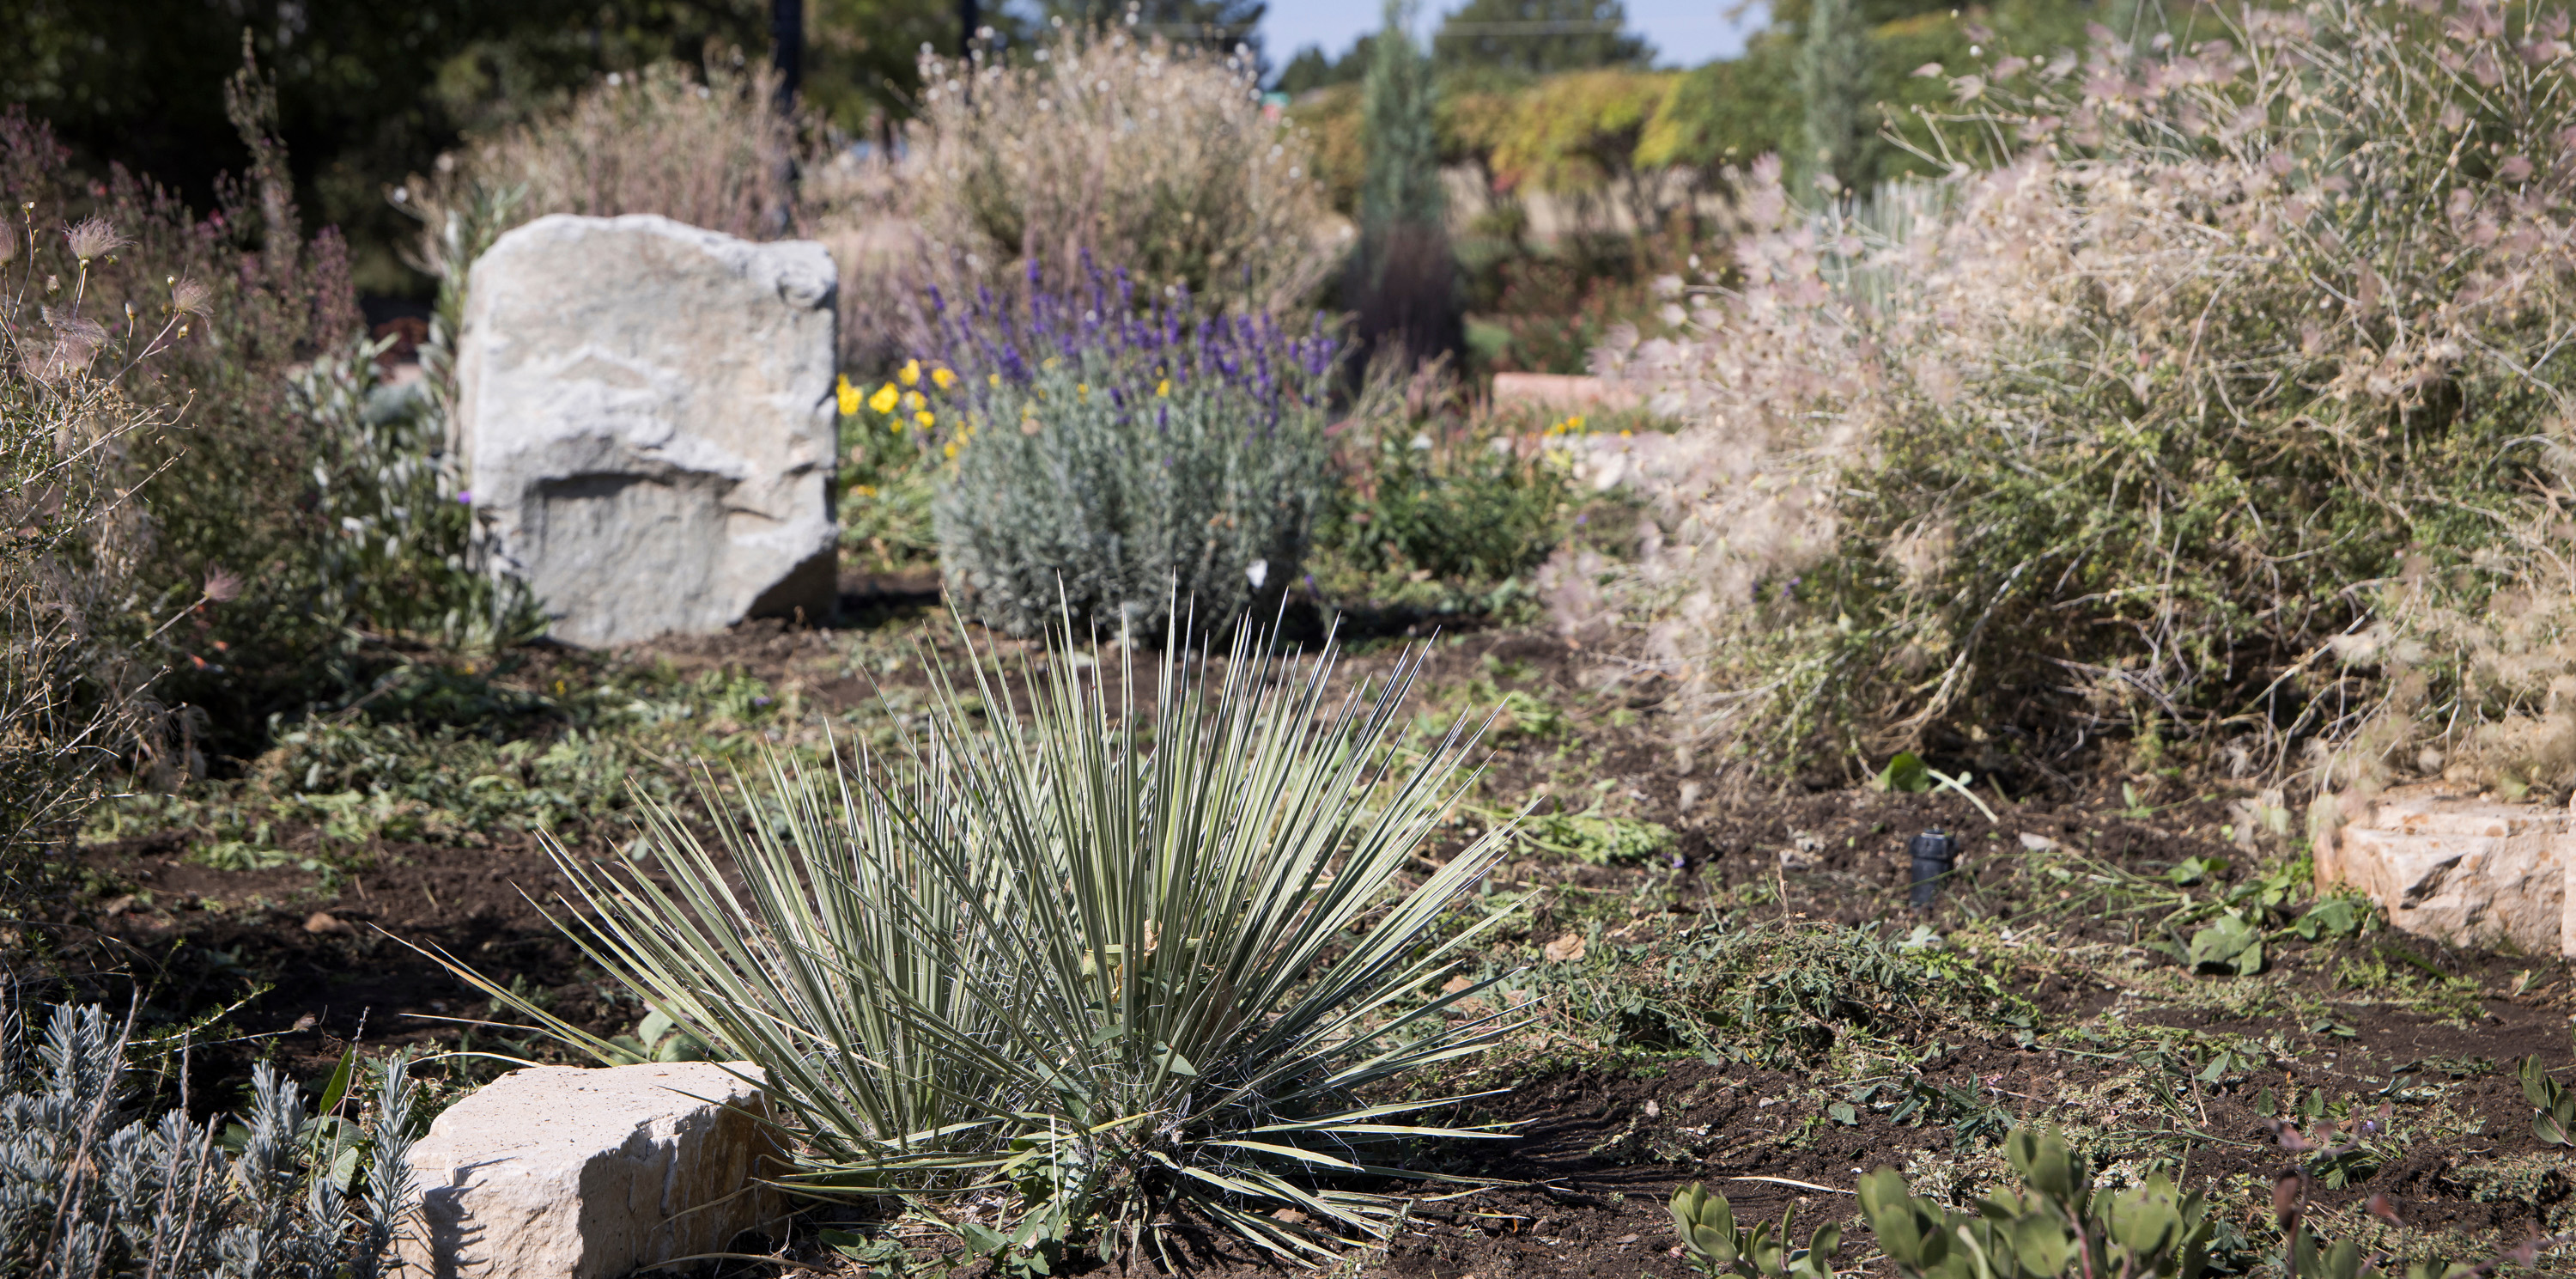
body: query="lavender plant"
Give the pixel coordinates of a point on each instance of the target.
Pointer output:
(1106, 453)
(84, 1190)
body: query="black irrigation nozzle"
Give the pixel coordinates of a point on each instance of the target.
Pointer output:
(1935, 854)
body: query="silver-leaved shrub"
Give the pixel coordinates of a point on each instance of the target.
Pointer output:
(1106, 453)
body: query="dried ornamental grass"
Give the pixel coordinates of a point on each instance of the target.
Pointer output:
(2212, 409)
(1141, 153)
(705, 148)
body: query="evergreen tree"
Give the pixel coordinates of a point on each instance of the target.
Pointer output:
(1833, 74)
(1539, 37)
(1312, 69)
(1403, 183)
(1405, 283)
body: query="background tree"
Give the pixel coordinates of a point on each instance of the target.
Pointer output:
(1833, 76)
(1313, 69)
(369, 92)
(1538, 37)
(1404, 286)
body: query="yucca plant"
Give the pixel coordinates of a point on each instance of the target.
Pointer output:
(1123, 957)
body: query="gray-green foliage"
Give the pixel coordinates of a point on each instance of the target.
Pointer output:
(1095, 957)
(1715, 1245)
(87, 1190)
(399, 551)
(1402, 281)
(1109, 459)
(1833, 73)
(2553, 1104)
(2056, 1223)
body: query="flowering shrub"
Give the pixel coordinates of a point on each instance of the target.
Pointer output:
(1110, 454)
(2226, 408)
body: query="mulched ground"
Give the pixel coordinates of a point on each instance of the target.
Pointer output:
(1603, 1146)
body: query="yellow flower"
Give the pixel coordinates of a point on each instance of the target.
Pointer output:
(992, 379)
(952, 449)
(883, 400)
(1163, 387)
(848, 396)
(911, 374)
(1082, 391)
(1574, 423)
(926, 419)
(912, 400)
(944, 378)
(865, 490)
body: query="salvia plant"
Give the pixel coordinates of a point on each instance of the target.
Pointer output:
(88, 1191)
(2553, 1104)
(1083, 960)
(1104, 449)
(2057, 1224)
(1715, 1245)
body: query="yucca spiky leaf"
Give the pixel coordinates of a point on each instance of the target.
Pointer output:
(1125, 953)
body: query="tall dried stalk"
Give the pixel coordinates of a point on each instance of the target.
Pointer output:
(74, 661)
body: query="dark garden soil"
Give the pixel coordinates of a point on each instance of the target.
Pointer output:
(1605, 1138)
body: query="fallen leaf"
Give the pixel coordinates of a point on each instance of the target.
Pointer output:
(323, 922)
(1564, 950)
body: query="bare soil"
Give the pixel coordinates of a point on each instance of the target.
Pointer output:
(1605, 1139)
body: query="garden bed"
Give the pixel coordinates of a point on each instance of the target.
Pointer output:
(1671, 925)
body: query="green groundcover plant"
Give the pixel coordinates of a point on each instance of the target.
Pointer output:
(1084, 958)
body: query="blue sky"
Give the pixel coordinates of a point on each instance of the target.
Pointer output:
(1684, 32)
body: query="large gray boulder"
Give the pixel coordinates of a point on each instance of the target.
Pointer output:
(645, 416)
(559, 1172)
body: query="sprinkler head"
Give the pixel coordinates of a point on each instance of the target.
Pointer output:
(1934, 855)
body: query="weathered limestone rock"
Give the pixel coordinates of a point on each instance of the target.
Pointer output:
(559, 1172)
(2461, 867)
(645, 415)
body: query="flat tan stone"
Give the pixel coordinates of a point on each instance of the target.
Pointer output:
(2462, 868)
(560, 1172)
